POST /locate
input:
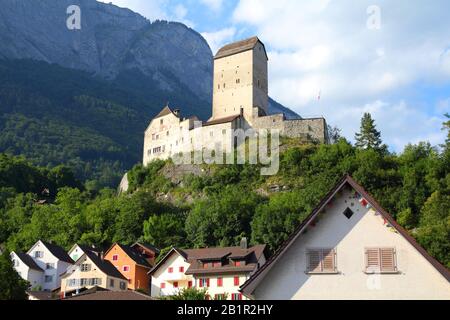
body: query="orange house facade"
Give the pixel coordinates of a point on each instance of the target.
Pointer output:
(132, 264)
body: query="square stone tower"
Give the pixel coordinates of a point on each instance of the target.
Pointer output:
(240, 80)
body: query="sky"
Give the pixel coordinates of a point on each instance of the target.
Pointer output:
(389, 58)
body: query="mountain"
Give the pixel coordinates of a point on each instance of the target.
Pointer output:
(84, 97)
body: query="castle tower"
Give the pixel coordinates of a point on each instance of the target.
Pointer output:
(240, 80)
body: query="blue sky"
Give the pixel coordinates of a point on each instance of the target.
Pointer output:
(392, 60)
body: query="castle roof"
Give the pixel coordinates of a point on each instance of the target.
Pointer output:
(238, 47)
(222, 120)
(166, 111)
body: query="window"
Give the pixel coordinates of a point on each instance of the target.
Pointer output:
(170, 270)
(381, 260)
(48, 279)
(153, 137)
(237, 263)
(126, 268)
(96, 281)
(205, 265)
(220, 296)
(85, 267)
(175, 284)
(236, 281)
(111, 283)
(224, 131)
(220, 282)
(163, 285)
(348, 213)
(190, 284)
(15, 263)
(236, 296)
(123, 285)
(38, 254)
(322, 261)
(49, 266)
(238, 81)
(115, 257)
(161, 121)
(204, 282)
(211, 134)
(181, 269)
(218, 87)
(224, 85)
(167, 133)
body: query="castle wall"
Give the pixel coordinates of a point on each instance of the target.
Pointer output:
(309, 129)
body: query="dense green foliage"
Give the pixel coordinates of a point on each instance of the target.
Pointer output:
(226, 203)
(70, 117)
(12, 286)
(189, 294)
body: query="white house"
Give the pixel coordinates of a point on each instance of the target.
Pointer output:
(78, 250)
(28, 269)
(350, 248)
(220, 271)
(53, 260)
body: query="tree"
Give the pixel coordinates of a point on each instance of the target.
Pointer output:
(368, 137)
(192, 294)
(12, 286)
(334, 134)
(165, 230)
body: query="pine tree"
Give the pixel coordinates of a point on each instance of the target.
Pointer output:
(368, 137)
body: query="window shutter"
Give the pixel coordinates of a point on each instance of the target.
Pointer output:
(373, 260)
(328, 260)
(314, 261)
(387, 257)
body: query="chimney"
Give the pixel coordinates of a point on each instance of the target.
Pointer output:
(244, 243)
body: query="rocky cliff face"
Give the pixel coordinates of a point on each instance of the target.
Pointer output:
(112, 41)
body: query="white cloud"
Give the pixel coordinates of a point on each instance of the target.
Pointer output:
(217, 39)
(214, 5)
(326, 46)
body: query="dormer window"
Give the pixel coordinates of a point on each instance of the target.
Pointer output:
(237, 263)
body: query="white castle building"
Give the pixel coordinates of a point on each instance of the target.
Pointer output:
(240, 101)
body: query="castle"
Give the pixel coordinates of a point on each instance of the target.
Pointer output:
(240, 101)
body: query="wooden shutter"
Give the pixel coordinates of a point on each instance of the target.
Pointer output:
(373, 260)
(381, 260)
(322, 261)
(387, 257)
(328, 260)
(314, 261)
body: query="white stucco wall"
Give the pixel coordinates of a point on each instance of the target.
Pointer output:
(59, 266)
(162, 275)
(417, 278)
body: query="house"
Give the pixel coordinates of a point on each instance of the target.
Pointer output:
(28, 269)
(148, 251)
(79, 249)
(43, 266)
(100, 294)
(349, 247)
(41, 295)
(221, 271)
(89, 271)
(132, 264)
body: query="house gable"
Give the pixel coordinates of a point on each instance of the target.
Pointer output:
(285, 275)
